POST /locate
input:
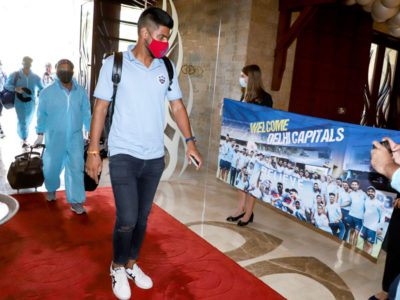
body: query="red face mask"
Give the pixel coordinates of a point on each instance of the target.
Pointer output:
(157, 48)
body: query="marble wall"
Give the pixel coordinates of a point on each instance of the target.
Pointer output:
(221, 37)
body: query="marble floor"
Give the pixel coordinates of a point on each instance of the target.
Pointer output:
(294, 260)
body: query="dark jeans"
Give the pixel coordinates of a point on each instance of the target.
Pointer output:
(392, 264)
(134, 182)
(345, 214)
(233, 176)
(338, 226)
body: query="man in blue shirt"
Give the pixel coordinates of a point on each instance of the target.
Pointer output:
(136, 140)
(344, 202)
(372, 225)
(335, 217)
(234, 164)
(357, 199)
(225, 158)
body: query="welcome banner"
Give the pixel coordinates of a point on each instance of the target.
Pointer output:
(315, 170)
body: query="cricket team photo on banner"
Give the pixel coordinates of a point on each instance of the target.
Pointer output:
(316, 170)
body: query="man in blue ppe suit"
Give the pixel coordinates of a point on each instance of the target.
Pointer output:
(63, 110)
(27, 86)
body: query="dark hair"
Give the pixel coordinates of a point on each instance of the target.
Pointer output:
(154, 17)
(356, 181)
(254, 84)
(294, 190)
(332, 194)
(27, 59)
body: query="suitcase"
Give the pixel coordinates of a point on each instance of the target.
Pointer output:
(26, 171)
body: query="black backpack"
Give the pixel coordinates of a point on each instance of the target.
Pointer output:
(116, 78)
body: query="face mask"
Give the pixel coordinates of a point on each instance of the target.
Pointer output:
(242, 82)
(65, 76)
(158, 49)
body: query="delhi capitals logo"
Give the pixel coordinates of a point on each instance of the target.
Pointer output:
(161, 79)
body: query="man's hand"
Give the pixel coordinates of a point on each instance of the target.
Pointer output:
(93, 166)
(192, 151)
(19, 90)
(382, 161)
(396, 203)
(395, 149)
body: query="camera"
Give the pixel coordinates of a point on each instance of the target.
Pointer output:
(386, 145)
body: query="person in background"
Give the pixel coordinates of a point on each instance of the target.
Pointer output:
(320, 220)
(372, 225)
(224, 163)
(388, 164)
(335, 217)
(48, 76)
(234, 164)
(344, 202)
(63, 109)
(27, 86)
(3, 80)
(357, 199)
(253, 93)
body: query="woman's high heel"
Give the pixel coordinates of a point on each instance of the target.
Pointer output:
(234, 219)
(241, 223)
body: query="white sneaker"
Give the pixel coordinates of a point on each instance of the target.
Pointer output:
(51, 196)
(141, 280)
(120, 284)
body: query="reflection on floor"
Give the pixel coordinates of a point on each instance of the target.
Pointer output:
(297, 262)
(294, 260)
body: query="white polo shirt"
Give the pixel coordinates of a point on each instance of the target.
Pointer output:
(138, 123)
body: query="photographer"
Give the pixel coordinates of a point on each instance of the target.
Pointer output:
(388, 164)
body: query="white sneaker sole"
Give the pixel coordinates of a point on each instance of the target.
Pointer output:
(138, 285)
(78, 212)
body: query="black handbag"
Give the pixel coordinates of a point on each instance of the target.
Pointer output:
(7, 97)
(26, 171)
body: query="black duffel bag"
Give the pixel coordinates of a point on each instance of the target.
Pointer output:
(26, 171)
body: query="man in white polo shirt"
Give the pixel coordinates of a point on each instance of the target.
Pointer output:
(136, 140)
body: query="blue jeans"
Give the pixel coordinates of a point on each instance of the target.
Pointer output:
(300, 216)
(345, 214)
(134, 182)
(338, 226)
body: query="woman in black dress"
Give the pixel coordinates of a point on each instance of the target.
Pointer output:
(253, 92)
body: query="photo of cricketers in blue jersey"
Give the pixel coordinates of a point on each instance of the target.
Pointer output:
(321, 183)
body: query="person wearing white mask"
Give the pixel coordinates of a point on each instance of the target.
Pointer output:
(253, 93)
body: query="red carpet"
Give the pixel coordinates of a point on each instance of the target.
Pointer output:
(48, 252)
